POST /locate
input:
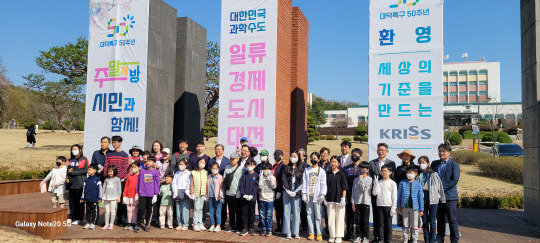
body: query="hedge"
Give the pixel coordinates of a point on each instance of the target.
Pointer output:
(455, 139)
(512, 130)
(468, 157)
(346, 139)
(361, 139)
(468, 134)
(502, 137)
(505, 168)
(22, 175)
(487, 201)
(330, 137)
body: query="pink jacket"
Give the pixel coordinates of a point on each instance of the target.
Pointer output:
(218, 179)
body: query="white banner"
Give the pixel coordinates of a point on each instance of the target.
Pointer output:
(247, 91)
(116, 86)
(405, 77)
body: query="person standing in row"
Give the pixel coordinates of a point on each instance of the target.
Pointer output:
(352, 171)
(215, 197)
(313, 194)
(181, 187)
(267, 185)
(198, 193)
(433, 195)
(292, 184)
(232, 177)
(76, 174)
(119, 159)
(112, 192)
(386, 192)
(277, 171)
(361, 201)
(146, 193)
(336, 182)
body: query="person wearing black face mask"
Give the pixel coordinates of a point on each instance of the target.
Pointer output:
(352, 171)
(277, 170)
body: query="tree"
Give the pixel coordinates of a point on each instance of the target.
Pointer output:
(61, 96)
(212, 80)
(494, 109)
(317, 114)
(361, 130)
(69, 61)
(339, 123)
(210, 129)
(313, 134)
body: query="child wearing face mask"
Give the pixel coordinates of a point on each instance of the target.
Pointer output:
(410, 203)
(361, 201)
(267, 185)
(181, 191)
(313, 193)
(433, 194)
(129, 196)
(214, 197)
(57, 187)
(248, 187)
(198, 193)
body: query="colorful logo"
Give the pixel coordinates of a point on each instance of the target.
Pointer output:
(411, 132)
(119, 29)
(411, 3)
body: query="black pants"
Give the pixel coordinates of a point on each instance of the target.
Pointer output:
(278, 206)
(91, 212)
(155, 220)
(376, 222)
(122, 210)
(145, 210)
(303, 216)
(361, 219)
(349, 218)
(385, 227)
(235, 212)
(248, 214)
(76, 208)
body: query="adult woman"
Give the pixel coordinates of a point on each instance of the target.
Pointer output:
(76, 173)
(292, 184)
(433, 194)
(336, 182)
(157, 148)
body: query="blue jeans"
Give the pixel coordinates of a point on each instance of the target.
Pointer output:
(448, 211)
(266, 214)
(313, 210)
(198, 211)
(182, 211)
(291, 205)
(429, 223)
(214, 208)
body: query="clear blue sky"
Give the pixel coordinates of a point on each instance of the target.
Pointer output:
(338, 45)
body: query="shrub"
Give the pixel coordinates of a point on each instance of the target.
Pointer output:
(47, 125)
(311, 140)
(319, 137)
(465, 128)
(21, 175)
(501, 137)
(487, 138)
(490, 201)
(80, 126)
(504, 138)
(346, 139)
(330, 137)
(468, 157)
(361, 130)
(454, 139)
(512, 130)
(28, 121)
(505, 168)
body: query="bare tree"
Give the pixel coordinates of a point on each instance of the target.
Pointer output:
(339, 123)
(494, 109)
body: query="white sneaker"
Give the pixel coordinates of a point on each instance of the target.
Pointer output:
(211, 228)
(338, 240)
(202, 228)
(357, 240)
(288, 237)
(75, 222)
(196, 228)
(86, 226)
(68, 221)
(365, 240)
(92, 226)
(331, 240)
(217, 229)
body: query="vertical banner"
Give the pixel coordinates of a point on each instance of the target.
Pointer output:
(116, 85)
(405, 76)
(247, 87)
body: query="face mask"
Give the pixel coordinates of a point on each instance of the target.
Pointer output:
(423, 166)
(58, 163)
(363, 172)
(250, 169)
(277, 158)
(215, 171)
(75, 152)
(314, 162)
(201, 166)
(410, 176)
(355, 158)
(264, 158)
(182, 168)
(294, 160)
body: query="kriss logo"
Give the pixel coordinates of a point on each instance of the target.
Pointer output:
(411, 132)
(409, 3)
(122, 28)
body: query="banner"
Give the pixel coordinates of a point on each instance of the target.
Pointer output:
(116, 85)
(247, 91)
(405, 77)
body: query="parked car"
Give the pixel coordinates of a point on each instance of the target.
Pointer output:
(507, 149)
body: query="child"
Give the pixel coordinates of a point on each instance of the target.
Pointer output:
(386, 192)
(249, 184)
(337, 185)
(214, 195)
(313, 193)
(198, 193)
(433, 194)
(57, 176)
(181, 187)
(267, 185)
(410, 204)
(112, 191)
(163, 164)
(91, 195)
(361, 201)
(129, 196)
(231, 180)
(145, 156)
(166, 202)
(146, 193)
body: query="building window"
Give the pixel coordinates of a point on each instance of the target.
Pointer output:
(361, 118)
(453, 93)
(483, 82)
(472, 92)
(462, 83)
(472, 72)
(473, 83)
(325, 115)
(445, 84)
(483, 72)
(483, 93)
(463, 94)
(453, 74)
(452, 84)
(333, 115)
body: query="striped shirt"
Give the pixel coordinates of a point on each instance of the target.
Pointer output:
(119, 160)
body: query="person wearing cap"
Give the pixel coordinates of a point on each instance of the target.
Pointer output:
(222, 160)
(264, 160)
(243, 141)
(163, 164)
(231, 179)
(277, 170)
(182, 153)
(135, 153)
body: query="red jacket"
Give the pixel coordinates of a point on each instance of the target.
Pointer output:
(131, 186)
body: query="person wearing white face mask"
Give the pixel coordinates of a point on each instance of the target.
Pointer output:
(76, 174)
(433, 194)
(181, 190)
(267, 185)
(410, 203)
(292, 182)
(198, 193)
(313, 194)
(215, 197)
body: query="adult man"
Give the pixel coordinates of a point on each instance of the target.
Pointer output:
(194, 159)
(449, 172)
(325, 159)
(183, 153)
(345, 158)
(219, 158)
(278, 202)
(375, 171)
(98, 157)
(119, 159)
(244, 156)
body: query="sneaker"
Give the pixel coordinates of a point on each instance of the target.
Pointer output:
(162, 227)
(297, 236)
(244, 232)
(331, 240)
(110, 227)
(211, 229)
(338, 240)
(288, 237)
(251, 232)
(69, 221)
(137, 229)
(217, 229)
(86, 226)
(202, 228)
(229, 230)
(147, 229)
(319, 238)
(357, 240)
(170, 227)
(92, 226)
(268, 233)
(105, 227)
(184, 228)
(179, 227)
(129, 227)
(196, 228)
(76, 222)
(237, 232)
(311, 237)
(264, 232)
(365, 240)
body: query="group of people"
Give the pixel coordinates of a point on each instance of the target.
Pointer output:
(304, 192)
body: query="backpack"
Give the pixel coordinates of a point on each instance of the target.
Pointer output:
(228, 179)
(28, 133)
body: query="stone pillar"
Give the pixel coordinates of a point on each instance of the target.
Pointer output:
(161, 63)
(189, 95)
(530, 40)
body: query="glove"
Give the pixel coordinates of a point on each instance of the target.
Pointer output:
(321, 199)
(304, 198)
(342, 203)
(248, 198)
(154, 199)
(175, 194)
(376, 179)
(325, 203)
(192, 197)
(137, 197)
(278, 195)
(245, 197)
(205, 198)
(238, 195)
(169, 193)
(393, 212)
(221, 194)
(222, 200)
(124, 200)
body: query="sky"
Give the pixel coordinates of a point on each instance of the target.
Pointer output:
(338, 38)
